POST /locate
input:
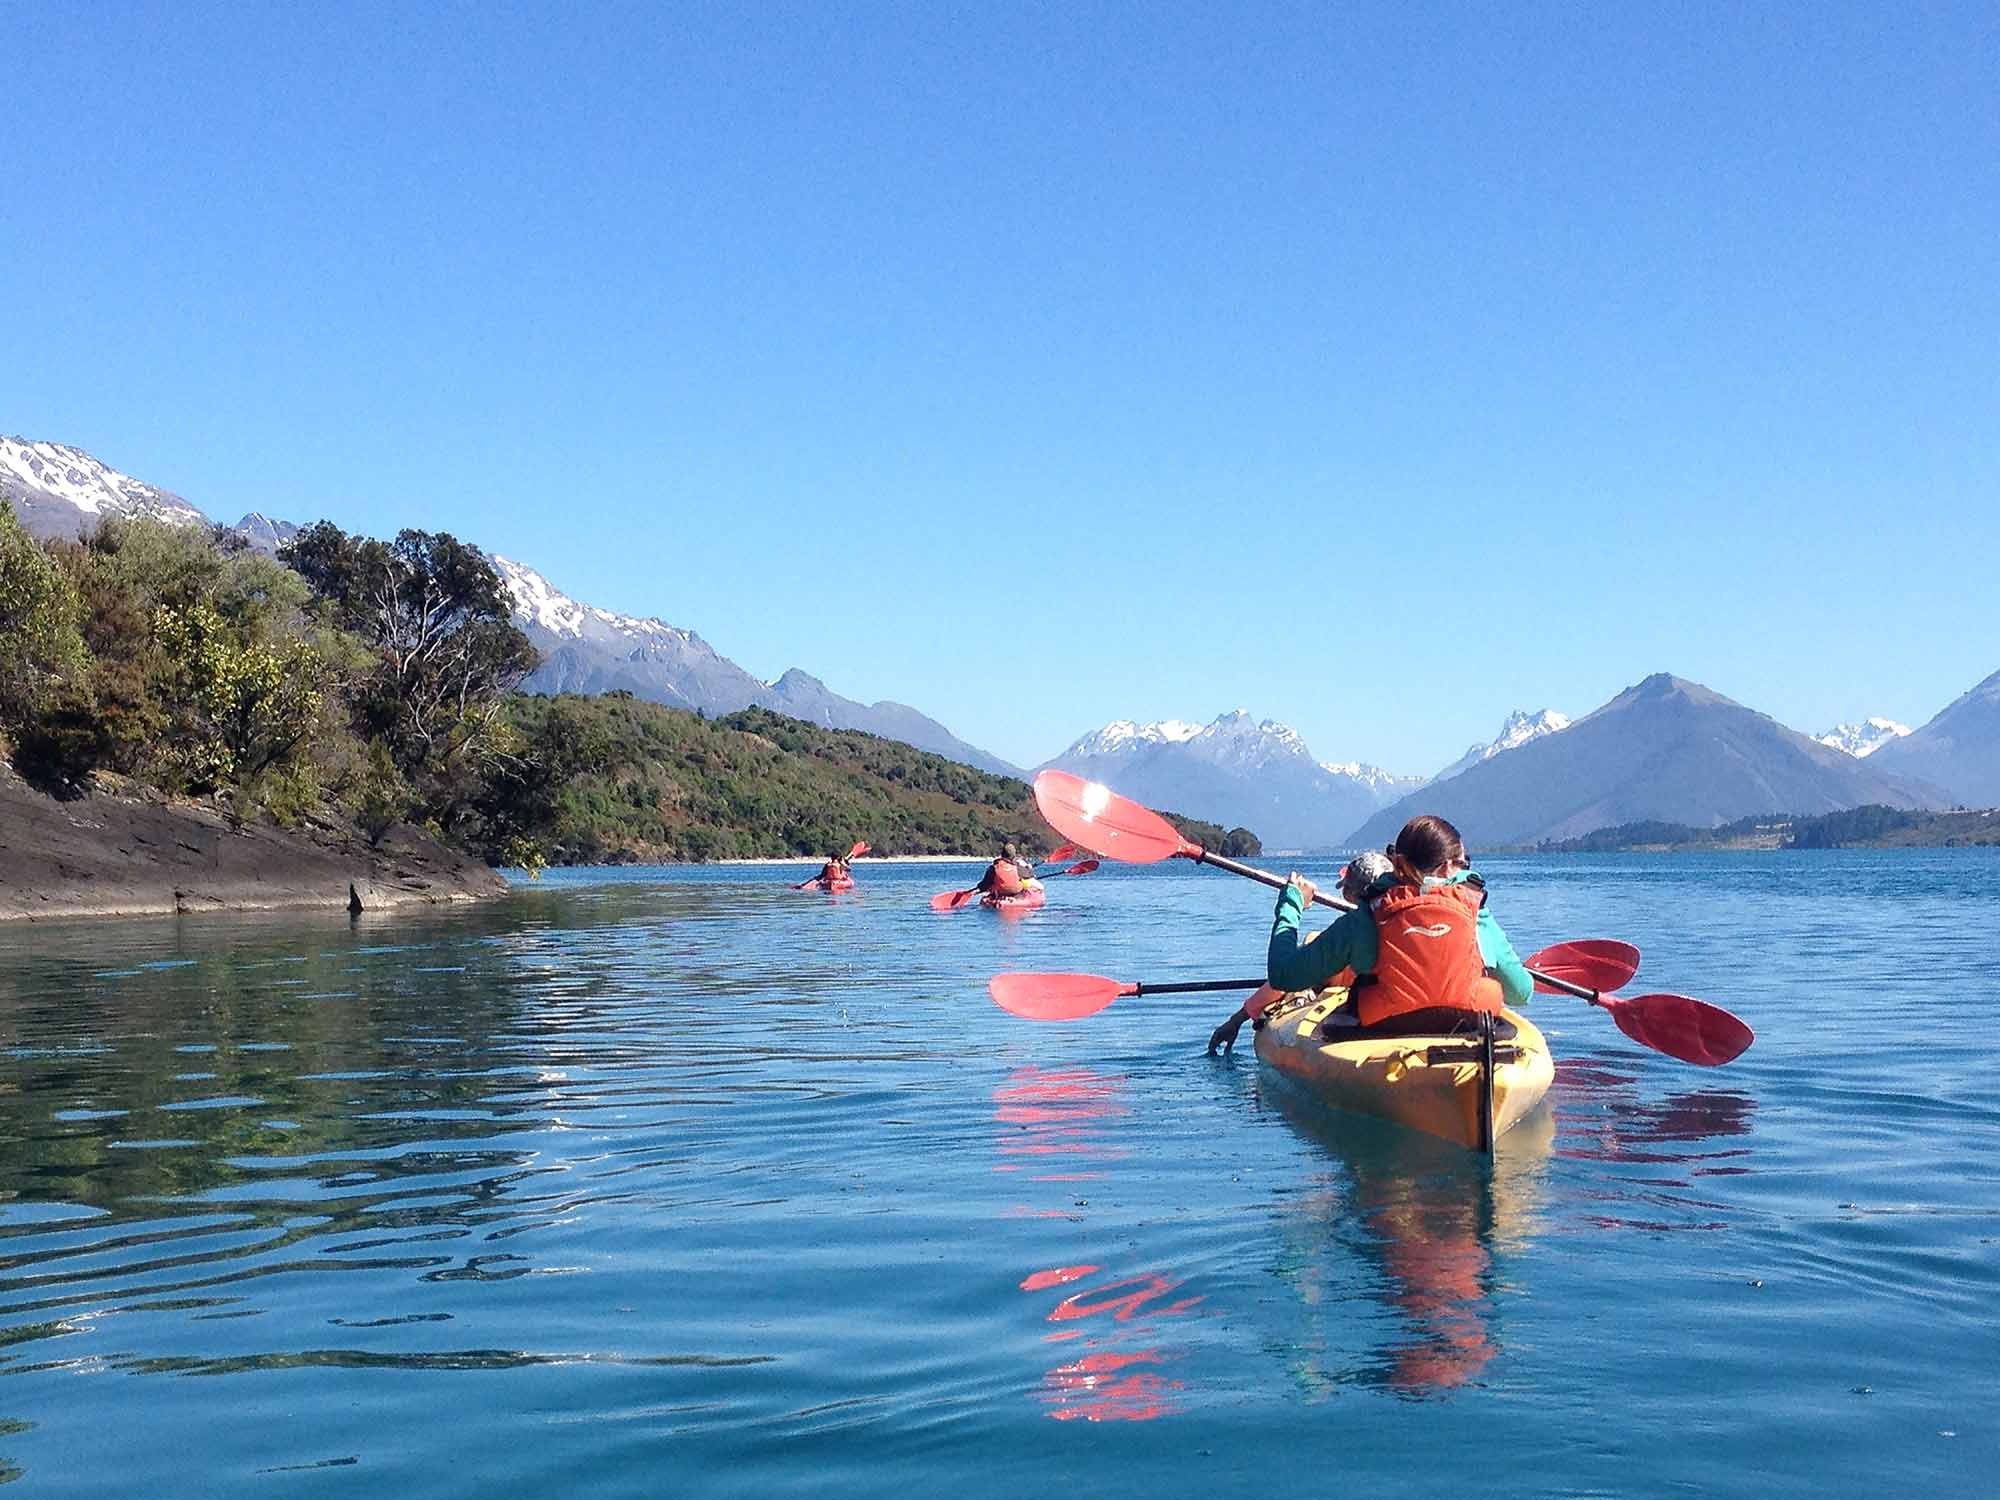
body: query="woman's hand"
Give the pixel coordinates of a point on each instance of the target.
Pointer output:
(1224, 1036)
(1307, 890)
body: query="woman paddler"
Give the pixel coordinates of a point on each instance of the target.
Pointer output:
(1424, 949)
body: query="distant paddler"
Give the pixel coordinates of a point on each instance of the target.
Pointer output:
(1006, 876)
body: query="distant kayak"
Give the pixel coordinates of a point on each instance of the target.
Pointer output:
(821, 883)
(1435, 1084)
(1026, 899)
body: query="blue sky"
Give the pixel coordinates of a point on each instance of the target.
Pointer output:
(1373, 370)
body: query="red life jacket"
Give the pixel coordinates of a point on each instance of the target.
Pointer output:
(1427, 953)
(1004, 877)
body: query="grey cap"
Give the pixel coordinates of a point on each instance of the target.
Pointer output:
(1008, 851)
(1363, 871)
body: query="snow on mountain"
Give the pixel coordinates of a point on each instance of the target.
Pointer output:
(1387, 785)
(540, 605)
(1236, 770)
(586, 649)
(1520, 727)
(1865, 738)
(61, 491)
(1958, 749)
(1122, 734)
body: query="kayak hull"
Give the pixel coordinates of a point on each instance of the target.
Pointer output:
(828, 885)
(1024, 900)
(1428, 1083)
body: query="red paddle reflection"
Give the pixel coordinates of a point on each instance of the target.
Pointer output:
(1058, 1119)
(1603, 1118)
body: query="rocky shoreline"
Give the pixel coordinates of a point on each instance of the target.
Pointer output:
(140, 854)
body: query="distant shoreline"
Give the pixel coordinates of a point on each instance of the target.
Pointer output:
(860, 864)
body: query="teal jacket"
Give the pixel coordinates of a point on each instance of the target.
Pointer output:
(1350, 944)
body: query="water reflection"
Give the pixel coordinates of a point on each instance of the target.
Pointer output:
(1700, 1133)
(1053, 1130)
(1430, 1225)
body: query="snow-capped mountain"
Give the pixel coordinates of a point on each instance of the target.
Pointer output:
(1865, 738)
(1386, 785)
(586, 649)
(1520, 727)
(60, 491)
(1959, 749)
(1237, 771)
(1121, 736)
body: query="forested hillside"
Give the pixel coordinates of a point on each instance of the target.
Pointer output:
(362, 683)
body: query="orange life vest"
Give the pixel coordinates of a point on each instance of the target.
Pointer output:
(1427, 953)
(1005, 878)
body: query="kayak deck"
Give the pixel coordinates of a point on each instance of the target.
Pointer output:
(1430, 1083)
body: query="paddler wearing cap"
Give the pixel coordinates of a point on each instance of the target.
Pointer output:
(1358, 877)
(1008, 875)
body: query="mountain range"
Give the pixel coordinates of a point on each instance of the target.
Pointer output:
(1665, 749)
(1236, 770)
(590, 650)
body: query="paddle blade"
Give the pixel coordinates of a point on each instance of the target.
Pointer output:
(1692, 1030)
(1092, 815)
(1595, 963)
(858, 850)
(953, 900)
(1060, 853)
(1055, 997)
(1081, 867)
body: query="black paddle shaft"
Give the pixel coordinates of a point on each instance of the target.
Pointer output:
(1193, 986)
(1321, 898)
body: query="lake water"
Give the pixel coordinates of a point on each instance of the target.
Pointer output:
(681, 1182)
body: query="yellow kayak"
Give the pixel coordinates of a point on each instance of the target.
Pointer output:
(1437, 1084)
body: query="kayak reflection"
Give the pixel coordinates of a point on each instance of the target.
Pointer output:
(1053, 1132)
(1432, 1224)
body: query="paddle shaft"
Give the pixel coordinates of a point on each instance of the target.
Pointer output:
(1278, 883)
(1198, 986)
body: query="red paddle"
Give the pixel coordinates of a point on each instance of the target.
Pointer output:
(1070, 997)
(1098, 818)
(1673, 1024)
(1595, 963)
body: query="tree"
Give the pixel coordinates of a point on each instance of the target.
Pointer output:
(42, 653)
(435, 616)
(239, 707)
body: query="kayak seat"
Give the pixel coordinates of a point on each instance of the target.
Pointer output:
(1435, 1020)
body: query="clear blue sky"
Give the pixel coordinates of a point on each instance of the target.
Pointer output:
(1045, 365)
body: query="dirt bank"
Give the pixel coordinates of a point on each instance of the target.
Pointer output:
(118, 854)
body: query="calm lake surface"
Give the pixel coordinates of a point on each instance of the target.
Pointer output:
(682, 1182)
